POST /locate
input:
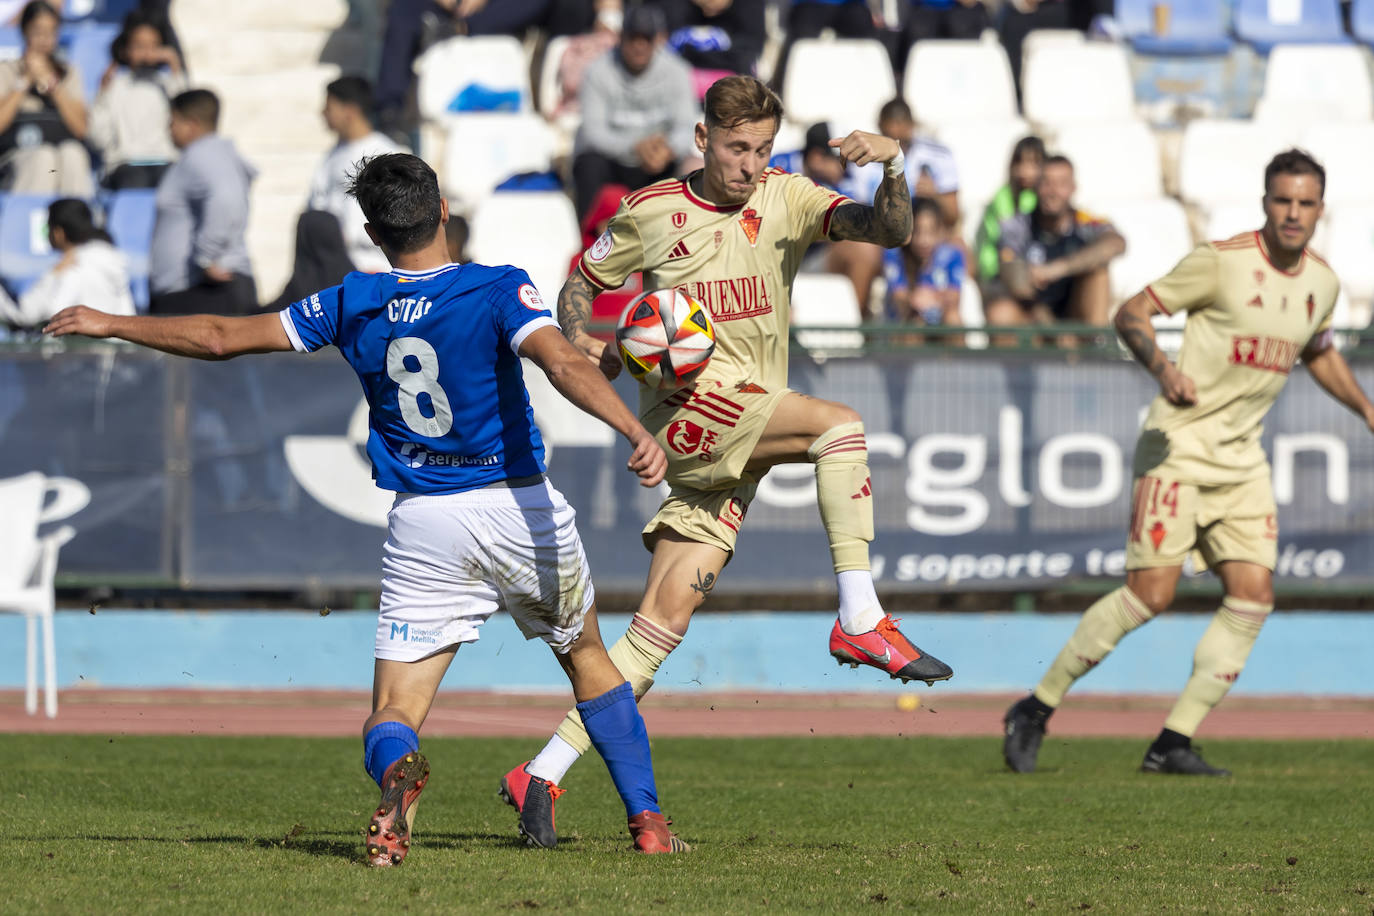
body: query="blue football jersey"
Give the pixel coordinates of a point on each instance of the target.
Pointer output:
(436, 353)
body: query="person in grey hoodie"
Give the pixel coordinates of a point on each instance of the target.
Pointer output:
(639, 111)
(198, 261)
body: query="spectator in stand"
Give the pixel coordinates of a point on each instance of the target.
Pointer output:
(129, 118)
(412, 25)
(963, 19)
(321, 258)
(847, 18)
(198, 261)
(817, 160)
(926, 275)
(456, 232)
(638, 112)
(348, 113)
(90, 272)
(717, 38)
(1054, 259)
(1015, 197)
(42, 115)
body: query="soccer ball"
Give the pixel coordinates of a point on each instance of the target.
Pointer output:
(665, 338)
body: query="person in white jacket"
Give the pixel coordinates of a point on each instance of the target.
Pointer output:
(90, 272)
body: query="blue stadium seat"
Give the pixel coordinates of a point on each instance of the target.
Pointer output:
(1319, 22)
(24, 251)
(1195, 27)
(88, 46)
(1362, 20)
(11, 42)
(97, 10)
(129, 219)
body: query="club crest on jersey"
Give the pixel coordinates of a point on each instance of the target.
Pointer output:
(1157, 533)
(1259, 278)
(679, 219)
(750, 222)
(719, 237)
(600, 248)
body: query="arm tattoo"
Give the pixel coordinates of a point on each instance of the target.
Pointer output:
(1139, 337)
(575, 305)
(886, 223)
(704, 584)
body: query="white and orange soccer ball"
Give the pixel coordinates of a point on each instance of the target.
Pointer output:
(665, 338)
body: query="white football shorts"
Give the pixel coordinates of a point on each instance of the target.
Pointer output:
(452, 561)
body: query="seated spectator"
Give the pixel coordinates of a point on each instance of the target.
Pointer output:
(963, 19)
(1016, 196)
(198, 261)
(809, 18)
(456, 232)
(718, 38)
(321, 258)
(926, 275)
(639, 112)
(347, 112)
(1054, 259)
(129, 118)
(42, 115)
(90, 272)
(817, 160)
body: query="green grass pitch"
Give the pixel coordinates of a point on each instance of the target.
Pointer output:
(259, 825)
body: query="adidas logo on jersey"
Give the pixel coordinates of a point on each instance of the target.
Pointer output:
(679, 250)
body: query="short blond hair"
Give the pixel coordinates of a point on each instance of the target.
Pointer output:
(736, 100)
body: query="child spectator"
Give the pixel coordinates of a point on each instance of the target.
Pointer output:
(926, 275)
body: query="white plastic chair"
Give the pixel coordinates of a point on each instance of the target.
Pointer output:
(1157, 238)
(1350, 250)
(1113, 162)
(1309, 83)
(825, 300)
(983, 152)
(1047, 41)
(1075, 83)
(533, 230)
(844, 81)
(1343, 149)
(483, 150)
(954, 81)
(494, 61)
(27, 565)
(1223, 160)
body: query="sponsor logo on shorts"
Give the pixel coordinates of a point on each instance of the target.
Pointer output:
(404, 632)
(417, 456)
(600, 248)
(686, 438)
(529, 296)
(732, 516)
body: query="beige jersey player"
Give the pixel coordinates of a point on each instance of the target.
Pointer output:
(1255, 304)
(733, 235)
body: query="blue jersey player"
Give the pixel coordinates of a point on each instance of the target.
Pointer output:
(475, 526)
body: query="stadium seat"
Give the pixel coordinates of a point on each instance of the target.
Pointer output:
(27, 565)
(813, 89)
(483, 150)
(1225, 220)
(1088, 82)
(982, 151)
(1112, 162)
(952, 81)
(1222, 161)
(24, 250)
(1047, 41)
(1349, 247)
(88, 46)
(971, 314)
(549, 92)
(1265, 23)
(535, 231)
(1343, 149)
(129, 217)
(493, 64)
(1362, 20)
(1310, 83)
(825, 300)
(11, 42)
(1157, 238)
(1194, 27)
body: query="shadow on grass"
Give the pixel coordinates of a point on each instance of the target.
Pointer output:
(326, 845)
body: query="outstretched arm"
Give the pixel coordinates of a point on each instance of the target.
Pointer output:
(574, 311)
(888, 221)
(1133, 324)
(581, 384)
(198, 336)
(1333, 373)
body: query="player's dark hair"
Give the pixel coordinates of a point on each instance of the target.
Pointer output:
(1057, 159)
(74, 218)
(199, 105)
(399, 195)
(1294, 162)
(1028, 146)
(895, 110)
(921, 205)
(735, 100)
(352, 90)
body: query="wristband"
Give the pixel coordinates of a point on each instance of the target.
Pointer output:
(896, 166)
(610, 18)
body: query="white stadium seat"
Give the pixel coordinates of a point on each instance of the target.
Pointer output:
(825, 300)
(1157, 238)
(1076, 83)
(844, 81)
(1112, 162)
(1307, 83)
(483, 150)
(1343, 149)
(533, 230)
(550, 93)
(1224, 160)
(1350, 250)
(1046, 41)
(495, 62)
(983, 153)
(954, 81)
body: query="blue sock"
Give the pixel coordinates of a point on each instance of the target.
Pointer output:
(384, 744)
(617, 731)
